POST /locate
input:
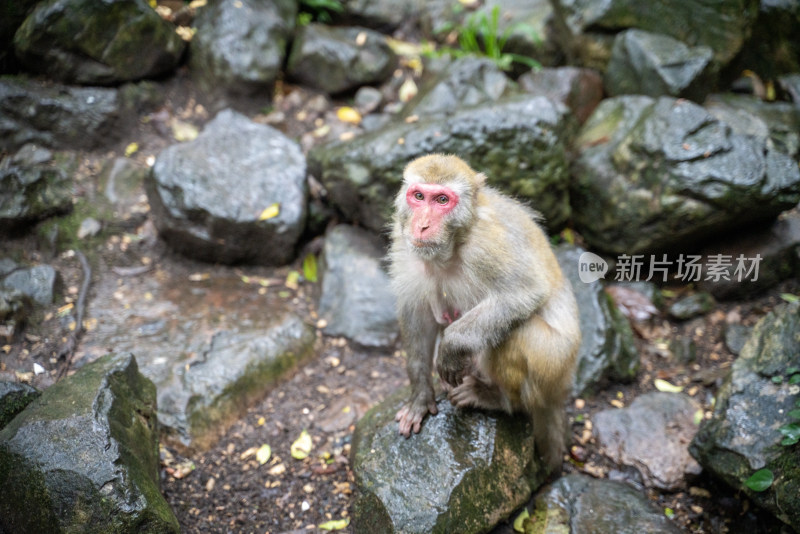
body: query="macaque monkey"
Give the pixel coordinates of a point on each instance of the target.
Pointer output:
(480, 295)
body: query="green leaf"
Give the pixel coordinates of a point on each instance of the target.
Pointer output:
(792, 370)
(794, 379)
(791, 430)
(777, 379)
(790, 298)
(310, 268)
(794, 414)
(669, 512)
(760, 480)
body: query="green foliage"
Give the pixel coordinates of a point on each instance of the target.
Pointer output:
(480, 36)
(760, 480)
(318, 10)
(310, 268)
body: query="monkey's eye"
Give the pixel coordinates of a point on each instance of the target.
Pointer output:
(442, 199)
(419, 196)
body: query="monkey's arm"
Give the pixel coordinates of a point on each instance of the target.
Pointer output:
(419, 332)
(486, 325)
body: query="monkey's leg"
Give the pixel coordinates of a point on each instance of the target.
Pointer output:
(422, 340)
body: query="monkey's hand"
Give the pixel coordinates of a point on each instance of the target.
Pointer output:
(452, 364)
(410, 416)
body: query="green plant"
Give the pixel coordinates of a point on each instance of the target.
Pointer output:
(481, 36)
(318, 10)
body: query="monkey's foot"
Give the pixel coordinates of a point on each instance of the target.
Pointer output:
(474, 393)
(410, 416)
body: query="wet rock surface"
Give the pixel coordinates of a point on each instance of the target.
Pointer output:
(212, 208)
(463, 472)
(651, 435)
(86, 452)
(233, 348)
(240, 48)
(578, 503)
(752, 416)
(86, 42)
(356, 301)
(349, 56)
(660, 174)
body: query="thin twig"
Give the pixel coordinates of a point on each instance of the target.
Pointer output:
(68, 350)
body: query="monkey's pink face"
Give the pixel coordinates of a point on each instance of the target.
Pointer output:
(430, 204)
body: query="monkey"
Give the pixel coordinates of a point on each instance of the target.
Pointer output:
(480, 297)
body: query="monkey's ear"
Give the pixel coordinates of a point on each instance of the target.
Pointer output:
(480, 179)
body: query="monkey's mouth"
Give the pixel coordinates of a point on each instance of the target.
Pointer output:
(422, 243)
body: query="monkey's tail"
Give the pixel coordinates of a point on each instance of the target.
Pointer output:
(548, 433)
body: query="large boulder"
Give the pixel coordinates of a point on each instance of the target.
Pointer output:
(83, 457)
(335, 59)
(656, 174)
(580, 503)
(57, 116)
(520, 143)
(580, 89)
(90, 42)
(34, 184)
(585, 27)
(654, 64)
(237, 193)
(607, 349)
(465, 82)
(650, 436)
(213, 344)
(464, 472)
(356, 300)
(752, 413)
(239, 47)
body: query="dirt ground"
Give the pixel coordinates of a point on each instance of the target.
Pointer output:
(227, 490)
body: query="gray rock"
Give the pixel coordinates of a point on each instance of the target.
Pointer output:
(39, 282)
(83, 457)
(607, 348)
(382, 14)
(743, 434)
(356, 300)
(200, 399)
(776, 123)
(654, 64)
(691, 306)
(207, 196)
(56, 115)
(89, 42)
(33, 186)
(769, 256)
(579, 503)
(580, 89)
(659, 174)
(209, 364)
(519, 143)
(464, 472)
(14, 397)
(239, 47)
(790, 83)
(736, 335)
(582, 25)
(651, 435)
(340, 54)
(465, 82)
(367, 99)
(15, 308)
